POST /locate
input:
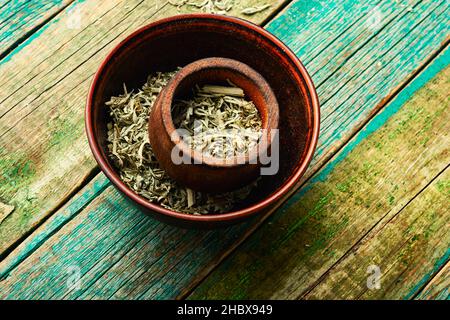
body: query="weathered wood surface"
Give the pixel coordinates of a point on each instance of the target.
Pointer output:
(56, 130)
(407, 247)
(352, 215)
(43, 85)
(162, 262)
(20, 19)
(438, 288)
(61, 73)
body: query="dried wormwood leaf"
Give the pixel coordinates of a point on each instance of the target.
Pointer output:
(132, 154)
(208, 6)
(253, 10)
(220, 122)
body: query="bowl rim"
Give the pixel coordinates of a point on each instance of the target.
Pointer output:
(291, 180)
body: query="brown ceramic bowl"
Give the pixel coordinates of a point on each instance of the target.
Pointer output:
(180, 40)
(197, 171)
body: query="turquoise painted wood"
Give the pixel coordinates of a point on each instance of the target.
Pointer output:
(430, 275)
(21, 18)
(438, 288)
(65, 214)
(121, 254)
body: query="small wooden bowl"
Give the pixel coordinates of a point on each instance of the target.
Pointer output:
(177, 41)
(198, 171)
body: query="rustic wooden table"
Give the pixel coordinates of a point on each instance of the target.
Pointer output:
(370, 219)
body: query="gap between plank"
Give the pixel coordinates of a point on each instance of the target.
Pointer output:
(383, 224)
(96, 170)
(33, 30)
(399, 16)
(435, 274)
(4, 4)
(66, 75)
(275, 13)
(247, 234)
(93, 172)
(110, 248)
(49, 56)
(376, 111)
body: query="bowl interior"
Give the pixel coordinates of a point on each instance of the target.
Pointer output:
(171, 44)
(217, 71)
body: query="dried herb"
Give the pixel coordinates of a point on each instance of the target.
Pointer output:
(217, 6)
(219, 121)
(253, 10)
(131, 152)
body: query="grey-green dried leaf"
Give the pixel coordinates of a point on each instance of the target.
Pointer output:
(253, 10)
(208, 6)
(131, 152)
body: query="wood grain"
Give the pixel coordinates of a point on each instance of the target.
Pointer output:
(143, 267)
(54, 223)
(155, 263)
(44, 152)
(60, 122)
(407, 248)
(19, 19)
(438, 287)
(350, 197)
(110, 239)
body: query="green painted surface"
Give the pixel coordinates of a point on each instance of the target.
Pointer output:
(409, 249)
(134, 258)
(20, 18)
(370, 59)
(43, 84)
(286, 257)
(65, 214)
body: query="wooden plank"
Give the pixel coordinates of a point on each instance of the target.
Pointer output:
(364, 186)
(406, 250)
(132, 262)
(358, 88)
(19, 19)
(5, 211)
(56, 222)
(438, 287)
(112, 235)
(61, 136)
(43, 84)
(136, 272)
